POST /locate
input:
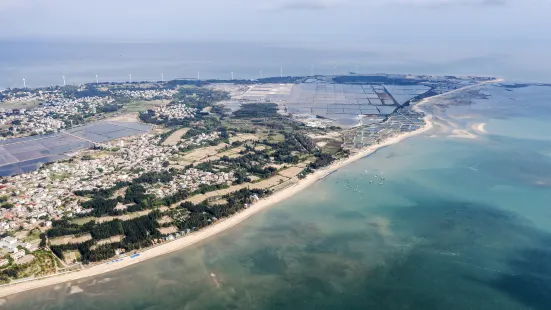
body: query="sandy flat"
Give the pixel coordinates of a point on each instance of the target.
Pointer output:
(462, 134)
(291, 172)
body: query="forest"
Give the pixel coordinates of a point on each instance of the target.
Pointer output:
(138, 233)
(141, 231)
(257, 110)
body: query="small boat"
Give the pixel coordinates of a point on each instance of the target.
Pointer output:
(381, 183)
(370, 181)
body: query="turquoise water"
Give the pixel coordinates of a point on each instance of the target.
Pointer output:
(457, 224)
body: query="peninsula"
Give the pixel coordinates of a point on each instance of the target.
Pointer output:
(153, 167)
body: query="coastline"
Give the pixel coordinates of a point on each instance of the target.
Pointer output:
(226, 223)
(220, 226)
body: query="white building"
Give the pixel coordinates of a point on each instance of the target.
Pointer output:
(10, 240)
(17, 255)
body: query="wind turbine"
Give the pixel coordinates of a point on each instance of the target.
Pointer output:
(198, 76)
(64, 81)
(97, 79)
(24, 83)
(232, 76)
(162, 77)
(130, 77)
(281, 72)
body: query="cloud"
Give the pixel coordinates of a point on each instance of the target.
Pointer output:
(307, 5)
(304, 5)
(444, 3)
(318, 5)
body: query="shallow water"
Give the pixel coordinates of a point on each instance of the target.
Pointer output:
(456, 224)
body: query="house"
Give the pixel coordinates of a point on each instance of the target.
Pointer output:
(17, 255)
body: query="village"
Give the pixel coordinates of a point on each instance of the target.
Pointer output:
(35, 112)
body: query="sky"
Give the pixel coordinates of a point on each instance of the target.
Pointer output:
(346, 21)
(510, 36)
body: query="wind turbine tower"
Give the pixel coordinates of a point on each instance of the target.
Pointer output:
(232, 76)
(130, 77)
(281, 72)
(64, 81)
(24, 83)
(97, 79)
(162, 77)
(198, 76)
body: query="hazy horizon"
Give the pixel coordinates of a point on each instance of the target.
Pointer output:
(483, 37)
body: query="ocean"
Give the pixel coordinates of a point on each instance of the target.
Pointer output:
(44, 63)
(461, 221)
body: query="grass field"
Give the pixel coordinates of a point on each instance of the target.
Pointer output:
(243, 137)
(174, 138)
(70, 239)
(19, 105)
(276, 138)
(202, 153)
(33, 235)
(143, 105)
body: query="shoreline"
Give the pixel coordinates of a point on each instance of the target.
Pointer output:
(224, 224)
(218, 227)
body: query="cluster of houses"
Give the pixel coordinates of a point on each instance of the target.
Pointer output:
(52, 116)
(27, 96)
(48, 193)
(176, 111)
(38, 197)
(199, 139)
(151, 94)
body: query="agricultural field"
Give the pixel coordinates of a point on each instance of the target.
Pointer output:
(144, 105)
(175, 137)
